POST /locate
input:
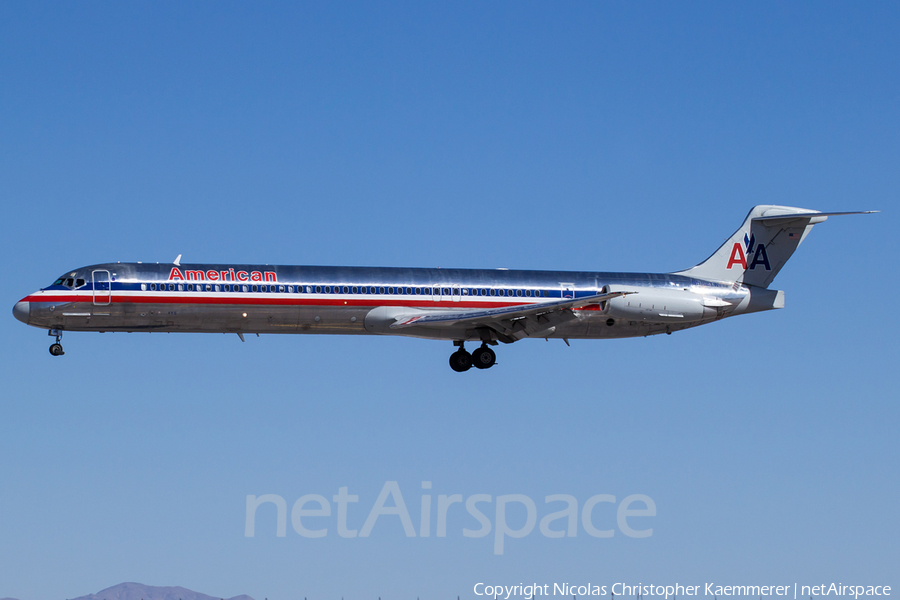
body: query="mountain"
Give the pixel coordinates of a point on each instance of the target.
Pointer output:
(138, 591)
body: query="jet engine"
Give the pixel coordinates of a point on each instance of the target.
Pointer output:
(654, 305)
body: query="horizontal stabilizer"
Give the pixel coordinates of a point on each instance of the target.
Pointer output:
(814, 215)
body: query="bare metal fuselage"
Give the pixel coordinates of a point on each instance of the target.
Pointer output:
(138, 297)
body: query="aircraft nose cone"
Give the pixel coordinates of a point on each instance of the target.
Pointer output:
(22, 310)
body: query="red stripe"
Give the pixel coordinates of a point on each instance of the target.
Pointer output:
(271, 301)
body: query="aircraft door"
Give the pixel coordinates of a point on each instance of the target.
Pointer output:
(102, 287)
(568, 290)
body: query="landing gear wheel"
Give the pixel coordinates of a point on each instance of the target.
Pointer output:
(56, 350)
(484, 358)
(460, 361)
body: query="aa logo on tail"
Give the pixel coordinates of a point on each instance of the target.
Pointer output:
(739, 257)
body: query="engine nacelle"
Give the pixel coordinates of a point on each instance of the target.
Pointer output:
(651, 305)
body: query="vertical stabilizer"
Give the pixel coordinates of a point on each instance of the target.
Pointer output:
(756, 252)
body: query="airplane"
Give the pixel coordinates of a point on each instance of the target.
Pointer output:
(459, 305)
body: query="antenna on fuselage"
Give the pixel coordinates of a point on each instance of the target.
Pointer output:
(177, 261)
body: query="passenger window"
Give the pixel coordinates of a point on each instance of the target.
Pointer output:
(255, 288)
(143, 287)
(518, 292)
(465, 291)
(355, 290)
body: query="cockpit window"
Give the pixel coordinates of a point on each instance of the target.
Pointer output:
(69, 282)
(79, 283)
(59, 281)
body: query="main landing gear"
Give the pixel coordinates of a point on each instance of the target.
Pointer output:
(482, 358)
(56, 348)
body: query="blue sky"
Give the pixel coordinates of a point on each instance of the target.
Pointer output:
(586, 137)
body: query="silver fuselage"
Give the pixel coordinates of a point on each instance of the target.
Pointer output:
(137, 297)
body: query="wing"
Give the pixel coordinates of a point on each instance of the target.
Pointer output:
(513, 322)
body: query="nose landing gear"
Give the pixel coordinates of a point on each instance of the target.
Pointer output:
(482, 358)
(56, 348)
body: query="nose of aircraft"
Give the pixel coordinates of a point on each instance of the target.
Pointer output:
(22, 310)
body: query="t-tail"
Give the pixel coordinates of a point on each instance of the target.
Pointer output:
(759, 249)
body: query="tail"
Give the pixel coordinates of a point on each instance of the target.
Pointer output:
(756, 252)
